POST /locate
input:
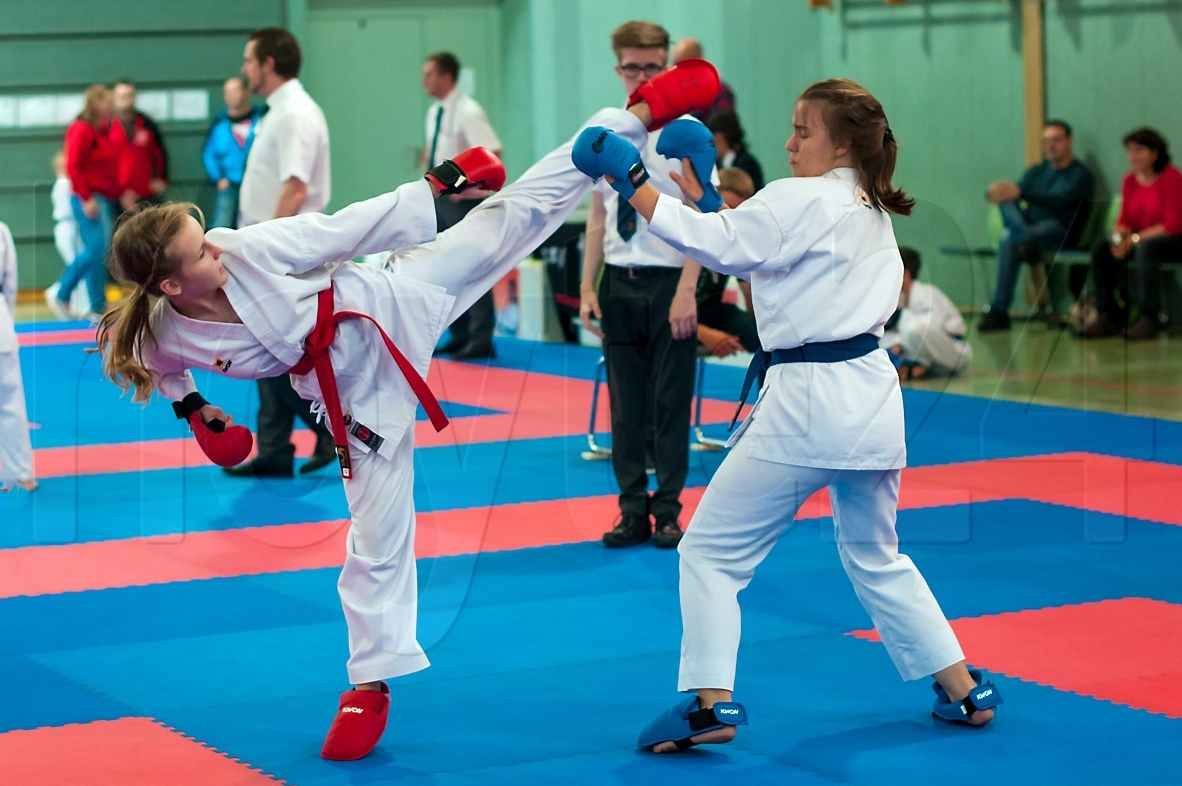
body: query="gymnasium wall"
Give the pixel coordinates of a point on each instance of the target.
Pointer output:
(949, 73)
(59, 48)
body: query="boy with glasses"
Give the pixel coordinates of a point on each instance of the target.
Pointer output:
(648, 315)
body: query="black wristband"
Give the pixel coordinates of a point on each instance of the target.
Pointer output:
(450, 176)
(188, 405)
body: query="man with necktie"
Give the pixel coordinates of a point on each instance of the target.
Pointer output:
(648, 314)
(455, 122)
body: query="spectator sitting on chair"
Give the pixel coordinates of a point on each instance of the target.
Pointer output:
(724, 328)
(1148, 232)
(926, 335)
(731, 144)
(1056, 192)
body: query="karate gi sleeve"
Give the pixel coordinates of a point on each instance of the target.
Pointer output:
(299, 244)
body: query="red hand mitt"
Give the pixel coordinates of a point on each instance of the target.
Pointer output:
(689, 86)
(225, 447)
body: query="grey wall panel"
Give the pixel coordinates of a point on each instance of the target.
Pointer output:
(31, 65)
(82, 17)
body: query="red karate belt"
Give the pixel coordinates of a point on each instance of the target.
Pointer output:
(316, 359)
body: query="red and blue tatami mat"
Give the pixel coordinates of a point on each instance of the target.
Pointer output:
(161, 622)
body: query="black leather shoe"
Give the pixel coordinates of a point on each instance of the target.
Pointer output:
(993, 321)
(668, 533)
(471, 352)
(257, 469)
(632, 529)
(318, 460)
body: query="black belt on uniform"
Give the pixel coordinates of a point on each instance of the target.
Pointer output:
(639, 271)
(818, 352)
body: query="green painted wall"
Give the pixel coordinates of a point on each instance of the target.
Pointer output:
(364, 67)
(949, 73)
(65, 46)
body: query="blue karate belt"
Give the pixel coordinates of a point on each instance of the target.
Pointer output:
(818, 352)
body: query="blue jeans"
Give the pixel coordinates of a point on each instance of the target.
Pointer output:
(225, 208)
(1047, 234)
(91, 263)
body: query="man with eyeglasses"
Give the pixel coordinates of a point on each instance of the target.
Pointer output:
(648, 319)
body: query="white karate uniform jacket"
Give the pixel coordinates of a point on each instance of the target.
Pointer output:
(276, 270)
(823, 266)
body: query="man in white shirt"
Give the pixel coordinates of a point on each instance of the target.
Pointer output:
(926, 336)
(648, 313)
(455, 122)
(287, 173)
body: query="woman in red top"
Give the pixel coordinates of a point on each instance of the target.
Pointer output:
(92, 163)
(1148, 232)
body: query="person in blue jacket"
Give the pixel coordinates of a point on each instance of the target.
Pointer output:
(226, 148)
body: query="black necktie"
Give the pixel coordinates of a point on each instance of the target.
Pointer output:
(625, 219)
(435, 136)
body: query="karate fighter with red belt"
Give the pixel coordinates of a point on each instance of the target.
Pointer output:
(282, 296)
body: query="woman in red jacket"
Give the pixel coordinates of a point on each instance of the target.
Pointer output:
(92, 163)
(1148, 232)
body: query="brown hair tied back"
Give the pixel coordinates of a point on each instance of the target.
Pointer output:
(139, 258)
(854, 117)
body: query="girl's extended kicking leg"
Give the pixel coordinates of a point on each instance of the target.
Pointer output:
(379, 595)
(746, 508)
(477, 252)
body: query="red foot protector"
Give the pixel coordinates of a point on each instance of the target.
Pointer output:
(690, 86)
(358, 725)
(225, 447)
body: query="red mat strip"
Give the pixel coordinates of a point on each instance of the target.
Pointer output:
(124, 752)
(1121, 650)
(1079, 480)
(567, 411)
(85, 336)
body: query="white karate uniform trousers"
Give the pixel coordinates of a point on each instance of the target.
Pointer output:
(16, 453)
(749, 503)
(378, 582)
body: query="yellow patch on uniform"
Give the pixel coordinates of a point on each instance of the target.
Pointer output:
(224, 365)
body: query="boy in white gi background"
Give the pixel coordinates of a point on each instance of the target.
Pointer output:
(16, 453)
(926, 335)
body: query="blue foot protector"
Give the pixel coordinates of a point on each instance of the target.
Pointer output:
(684, 720)
(690, 139)
(984, 697)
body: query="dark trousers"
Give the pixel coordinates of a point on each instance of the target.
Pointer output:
(474, 328)
(279, 406)
(1142, 289)
(729, 318)
(647, 370)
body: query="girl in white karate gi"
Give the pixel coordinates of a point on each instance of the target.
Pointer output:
(243, 301)
(16, 453)
(825, 270)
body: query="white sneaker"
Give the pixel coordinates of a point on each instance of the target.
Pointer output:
(59, 308)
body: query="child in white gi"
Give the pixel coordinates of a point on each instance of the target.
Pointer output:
(244, 301)
(66, 237)
(926, 336)
(16, 453)
(825, 277)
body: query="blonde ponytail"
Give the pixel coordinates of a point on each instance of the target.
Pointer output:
(139, 258)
